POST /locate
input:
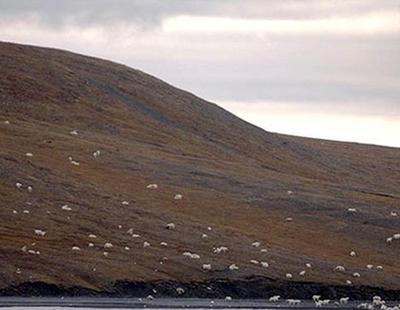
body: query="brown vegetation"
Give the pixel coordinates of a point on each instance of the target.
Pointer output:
(234, 177)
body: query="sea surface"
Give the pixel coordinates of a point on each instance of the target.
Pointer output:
(36, 303)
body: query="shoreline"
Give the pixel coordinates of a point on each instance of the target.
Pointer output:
(249, 288)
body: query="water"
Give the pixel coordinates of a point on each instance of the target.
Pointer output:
(83, 303)
(102, 308)
(17, 303)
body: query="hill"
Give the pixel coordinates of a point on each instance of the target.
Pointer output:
(239, 184)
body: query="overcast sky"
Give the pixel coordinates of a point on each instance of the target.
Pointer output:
(317, 68)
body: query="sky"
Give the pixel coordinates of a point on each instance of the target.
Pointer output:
(315, 68)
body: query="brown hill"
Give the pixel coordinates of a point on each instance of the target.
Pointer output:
(235, 178)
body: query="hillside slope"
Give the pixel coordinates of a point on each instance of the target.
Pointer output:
(238, 183)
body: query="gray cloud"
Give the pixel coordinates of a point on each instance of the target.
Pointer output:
(358, 71)
(151, 12)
